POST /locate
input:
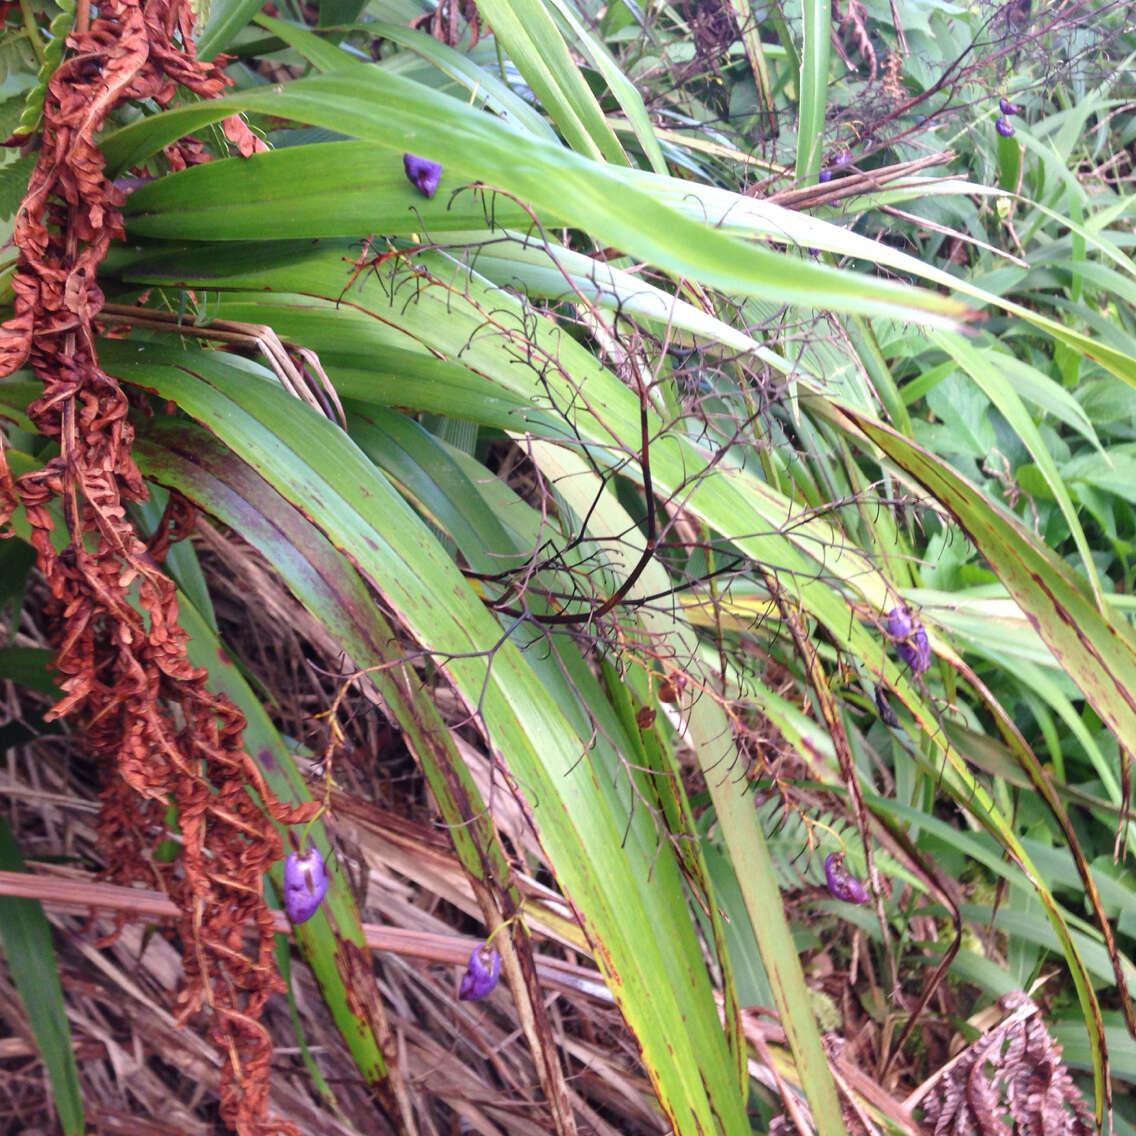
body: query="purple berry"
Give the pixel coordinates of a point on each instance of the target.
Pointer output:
(844, 158)
(825, 175)
(1004, 127)
(305, 884)
(912, 645)
(1007, 107)
(899, 623)
(422, 172)
(841, 882)
(480, 974)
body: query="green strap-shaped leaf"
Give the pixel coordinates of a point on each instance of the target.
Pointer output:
(709, 733)
(182, 455)
(560, 185)
(317, 467)
(28, 951)
(983, 370)
(332, 941)
(624, 90)
(533, 41)
(816, 17)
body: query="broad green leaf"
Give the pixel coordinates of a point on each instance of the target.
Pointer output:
(322, 54)
(479, 81)
(325, 582)
(29, 666)
(452, 322)
(226, 19)
(708, 731)
(332, 941)
(624, 90)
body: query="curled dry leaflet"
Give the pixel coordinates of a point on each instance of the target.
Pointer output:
(1011, 1080)
(143, 709)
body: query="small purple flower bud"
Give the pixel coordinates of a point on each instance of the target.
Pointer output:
(305, 884)
(480, 974)
(422, 172)
(911, 640)
(844, 158)
(825, 175)
(841, 882)
(1007, 107)
(1004, 127)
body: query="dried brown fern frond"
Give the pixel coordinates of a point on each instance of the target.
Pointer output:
(1012, 1079)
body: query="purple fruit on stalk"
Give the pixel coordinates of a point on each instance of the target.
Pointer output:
(480, 974)
(1004, 127)
(841, 882)
(422, 172)
(1007, 107)
(911, 640)
(825, 175)
(305, 884)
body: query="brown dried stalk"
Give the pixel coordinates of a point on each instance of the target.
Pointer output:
(129, 687)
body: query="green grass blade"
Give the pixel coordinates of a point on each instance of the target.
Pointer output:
(982, 366)
(1094, 648)
(282, 952)
(708, 730)
(332, 941)
(481, 83)
(226, 19)
(328, 586)
(319, 52)
(624, 90)
(755, 52)
(533, 42)
(28, 951)
(816, 15)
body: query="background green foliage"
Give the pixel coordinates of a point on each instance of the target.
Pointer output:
(898, 386)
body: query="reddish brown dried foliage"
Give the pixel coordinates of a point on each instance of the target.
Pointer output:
(130, 688)
(1013, 1073)
(442, 23)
